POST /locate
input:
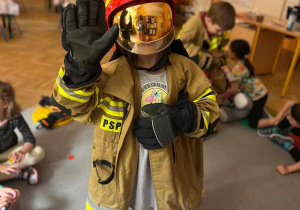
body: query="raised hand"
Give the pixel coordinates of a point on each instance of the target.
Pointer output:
(84, 34)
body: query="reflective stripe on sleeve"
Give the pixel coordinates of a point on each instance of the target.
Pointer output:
(215, 43)
(207, 94)
(225, 35)
(90, 206)
(178, 36)
(113, 108)
(206, 117)
(78, 95)
(199, 53)
(192, 45)
(215, 46)
(78, 92)
(87, 206)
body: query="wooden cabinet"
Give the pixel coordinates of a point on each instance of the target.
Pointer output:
(268, 44)
(243, 32)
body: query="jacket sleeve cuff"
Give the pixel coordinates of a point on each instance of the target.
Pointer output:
(62, 108)
(78, 75)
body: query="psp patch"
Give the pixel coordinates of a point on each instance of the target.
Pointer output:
(110, 124)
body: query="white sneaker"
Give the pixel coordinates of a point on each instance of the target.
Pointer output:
(33, 177)
(29, 174)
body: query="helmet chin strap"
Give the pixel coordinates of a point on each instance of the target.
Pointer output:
(161, 63)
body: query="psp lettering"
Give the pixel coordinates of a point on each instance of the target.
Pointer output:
(110, 124)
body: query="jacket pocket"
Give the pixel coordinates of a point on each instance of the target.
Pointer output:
(102, 185)
(103, 154)
(108, 129)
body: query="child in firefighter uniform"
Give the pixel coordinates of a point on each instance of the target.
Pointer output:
(150, 105)
(204, 36)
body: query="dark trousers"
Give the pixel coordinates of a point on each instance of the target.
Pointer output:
(256, 112)
(295, 153)
(284, 124)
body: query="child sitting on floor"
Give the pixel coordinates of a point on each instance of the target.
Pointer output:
(15, 156)
(246, 90)
(284, 129)
(287, 118)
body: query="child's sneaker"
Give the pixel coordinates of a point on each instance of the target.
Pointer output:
(266, 132)
(284, 141)
(33, 177)
(30, 174)
(22, 174)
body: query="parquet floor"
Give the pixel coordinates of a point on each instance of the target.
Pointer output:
(30, 61)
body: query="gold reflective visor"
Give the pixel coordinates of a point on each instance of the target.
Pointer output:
(146, 28)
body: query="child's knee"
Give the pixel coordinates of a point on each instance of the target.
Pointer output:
(37, 153)
(242, 101)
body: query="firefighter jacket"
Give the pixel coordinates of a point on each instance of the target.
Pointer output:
(111, 104)
(204, 49)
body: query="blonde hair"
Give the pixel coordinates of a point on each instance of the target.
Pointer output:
(7, 94)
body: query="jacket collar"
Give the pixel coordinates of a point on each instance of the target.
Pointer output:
(121, 83)
(207, 35)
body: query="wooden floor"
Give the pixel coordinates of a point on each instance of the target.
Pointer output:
(30, 62)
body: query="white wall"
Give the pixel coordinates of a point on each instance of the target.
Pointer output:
(268, 7)
(200, 5)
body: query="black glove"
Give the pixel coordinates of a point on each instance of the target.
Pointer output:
(86, 39)
(45, 101)
(165, 123)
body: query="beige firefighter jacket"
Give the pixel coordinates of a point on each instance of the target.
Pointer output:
(112, 103)
(198, 43)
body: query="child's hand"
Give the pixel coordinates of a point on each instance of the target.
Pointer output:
(17, 157)
(282, 169)
(8, 197)
(8, 169)
(224, 68)
(9, 192)
(6, 201)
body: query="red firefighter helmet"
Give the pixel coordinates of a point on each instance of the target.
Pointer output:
(146, 26)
